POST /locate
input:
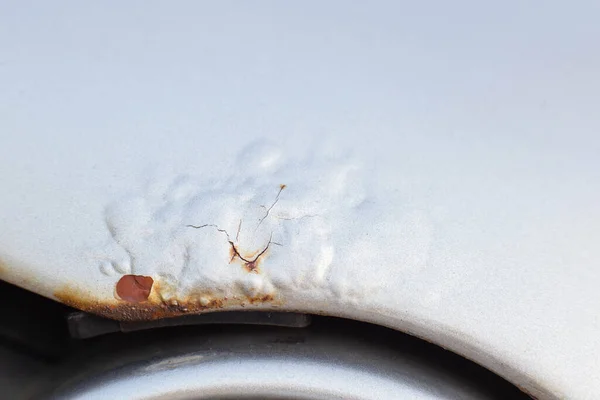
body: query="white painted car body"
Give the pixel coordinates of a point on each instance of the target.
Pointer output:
(440, 163)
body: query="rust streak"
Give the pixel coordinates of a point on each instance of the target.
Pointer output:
(156, 308)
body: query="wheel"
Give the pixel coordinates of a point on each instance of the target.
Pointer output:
(331, 359)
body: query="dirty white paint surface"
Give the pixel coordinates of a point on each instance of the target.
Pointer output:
(440, 164)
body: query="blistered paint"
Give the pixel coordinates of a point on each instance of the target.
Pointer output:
(270, 227)
(440, 163)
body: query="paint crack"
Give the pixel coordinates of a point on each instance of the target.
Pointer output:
(250, 264)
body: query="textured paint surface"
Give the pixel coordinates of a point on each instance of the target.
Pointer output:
(440, 164)
(240, 238)
(245, 233)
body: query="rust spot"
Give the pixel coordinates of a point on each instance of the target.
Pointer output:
(134, 288)
(282, 186)
(232, 253)
(249, 262)
(251, 267)
(267, 298)
(156, 308)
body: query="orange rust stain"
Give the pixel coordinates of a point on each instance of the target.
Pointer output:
(267, 298)
(249, 261)
(249, 255)
(134, 288)
(155, 307)
(232, 254)
(282, 186)
(251, 267)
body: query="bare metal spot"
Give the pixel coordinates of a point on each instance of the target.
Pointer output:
(134, 288)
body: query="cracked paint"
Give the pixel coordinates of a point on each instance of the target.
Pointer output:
(134, 288)
(251, 261)
(471, 223)
(244, 238)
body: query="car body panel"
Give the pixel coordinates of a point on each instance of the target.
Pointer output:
(432, 168)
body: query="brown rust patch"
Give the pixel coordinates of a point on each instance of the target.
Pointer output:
(157, 308)
(134, 288)
(251, 267)
(250, 263)
(267, 298)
